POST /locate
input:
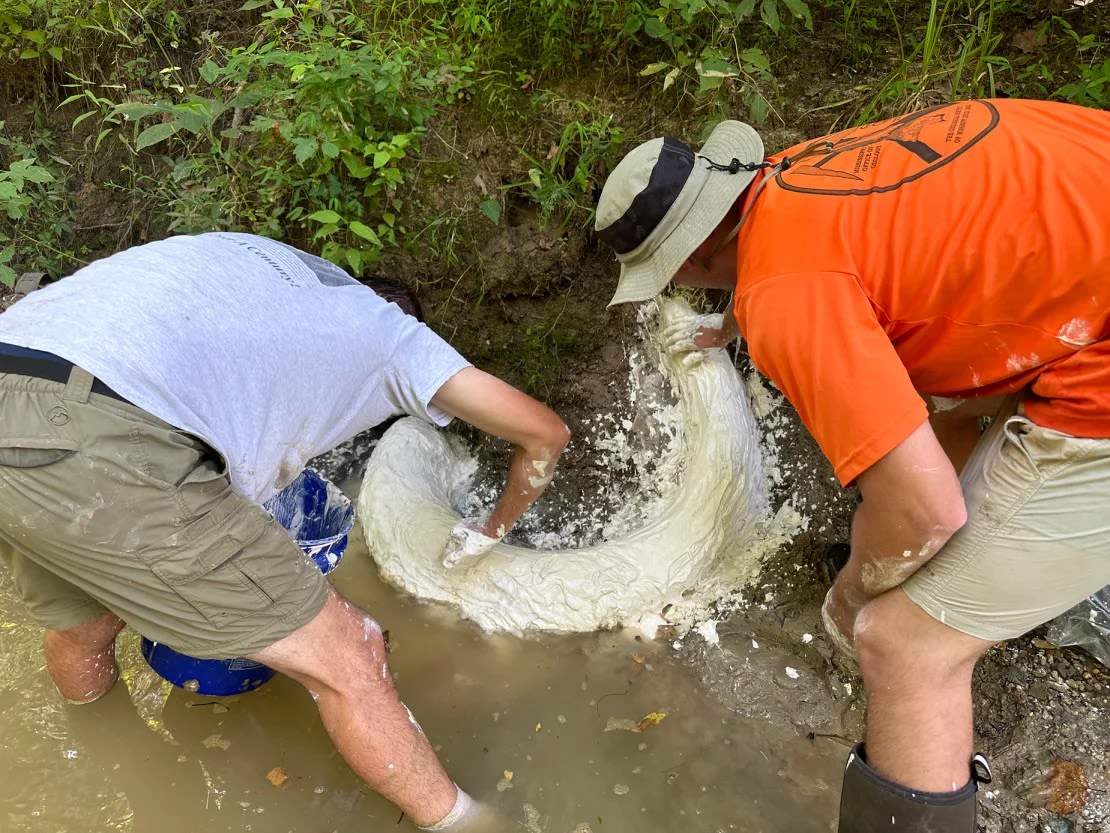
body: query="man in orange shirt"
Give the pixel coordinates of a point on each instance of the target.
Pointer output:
(951, 256)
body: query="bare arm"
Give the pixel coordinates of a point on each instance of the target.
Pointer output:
(957, 429)
(709, 337)
(537, 432)
(912, 504)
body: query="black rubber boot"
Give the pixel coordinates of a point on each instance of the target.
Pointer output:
(870, 803)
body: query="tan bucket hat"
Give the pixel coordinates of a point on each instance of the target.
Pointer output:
(663, 200)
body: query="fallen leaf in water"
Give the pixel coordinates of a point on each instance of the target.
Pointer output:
(539, 726)
(508, 775)
(639, 658)
(216, 740)
(620, 724)
(278, 777)
(650, 720)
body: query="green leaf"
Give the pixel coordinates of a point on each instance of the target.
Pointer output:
(758, 109)
(651, 69)
(324, 215)
(155, 134)
(56, 52)
(209, 71)
(381, 158)
(31, 172)
(356, 167)
(304, 149)
(755, 59)
(354, 260)
(134, 110)
(492, 209)
(193, 120)
(656, 28)
(365, 232)
(799, 9)
(632, 25)
(769, 11)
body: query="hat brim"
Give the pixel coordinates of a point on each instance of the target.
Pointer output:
(719, 191)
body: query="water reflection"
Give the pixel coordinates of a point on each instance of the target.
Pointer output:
(545, 729)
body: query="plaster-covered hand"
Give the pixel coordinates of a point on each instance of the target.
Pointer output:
(468, 538)
(696, 335)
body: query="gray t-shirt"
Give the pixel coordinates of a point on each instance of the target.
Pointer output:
(269, 354)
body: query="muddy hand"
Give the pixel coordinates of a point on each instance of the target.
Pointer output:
(466, 541)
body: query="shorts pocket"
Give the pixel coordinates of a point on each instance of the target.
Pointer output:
(29, 457)
(209, 564)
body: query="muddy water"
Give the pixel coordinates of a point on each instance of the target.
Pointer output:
(544, 728)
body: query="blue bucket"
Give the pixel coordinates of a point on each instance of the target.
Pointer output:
(211, 677)
(319, 517)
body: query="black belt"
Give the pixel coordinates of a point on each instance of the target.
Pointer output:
(41, 365)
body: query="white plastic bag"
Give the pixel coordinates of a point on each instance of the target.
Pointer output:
(1087, 625)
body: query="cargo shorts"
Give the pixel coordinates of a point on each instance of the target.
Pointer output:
(104, 507)
(1037, 537)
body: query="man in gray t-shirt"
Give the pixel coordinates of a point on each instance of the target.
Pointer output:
(152, 401)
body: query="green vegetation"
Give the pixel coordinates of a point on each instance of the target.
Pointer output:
(310, 120)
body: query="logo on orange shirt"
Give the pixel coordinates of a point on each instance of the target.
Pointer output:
(909, 146)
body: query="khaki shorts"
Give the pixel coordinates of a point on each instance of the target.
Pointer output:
(1037, 538)
(105, 507)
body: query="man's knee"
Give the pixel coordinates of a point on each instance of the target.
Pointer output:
(342, 649)
(893, 634)
(97, 634)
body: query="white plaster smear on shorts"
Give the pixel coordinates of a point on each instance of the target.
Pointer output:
(702, 537)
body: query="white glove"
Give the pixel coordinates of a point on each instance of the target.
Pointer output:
(466, 540)
(683, 336)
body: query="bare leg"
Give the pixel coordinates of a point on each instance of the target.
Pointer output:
(82, 660)
(918, 677)
(340, 658)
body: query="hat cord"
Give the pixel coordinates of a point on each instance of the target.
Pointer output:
(735, 166)
(820, 146)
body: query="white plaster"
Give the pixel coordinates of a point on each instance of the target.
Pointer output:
(706, 531)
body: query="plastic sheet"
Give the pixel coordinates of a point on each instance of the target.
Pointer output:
(1087, 626)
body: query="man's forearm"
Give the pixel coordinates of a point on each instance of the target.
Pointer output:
(529, 474)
